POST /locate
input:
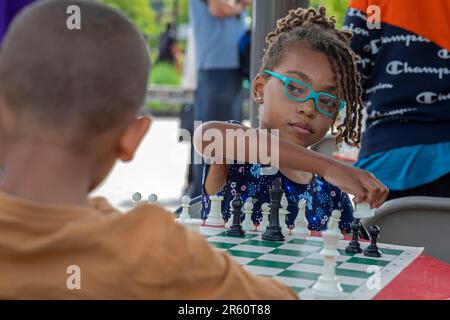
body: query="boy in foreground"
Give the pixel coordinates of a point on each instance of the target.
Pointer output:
(68, 104)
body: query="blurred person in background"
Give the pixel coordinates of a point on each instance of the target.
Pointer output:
(218, 27)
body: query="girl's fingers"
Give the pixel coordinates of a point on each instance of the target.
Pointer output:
(377, 193)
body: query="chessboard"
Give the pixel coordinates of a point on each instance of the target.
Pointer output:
(297, 261)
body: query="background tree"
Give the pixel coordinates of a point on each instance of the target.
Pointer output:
(142, 14)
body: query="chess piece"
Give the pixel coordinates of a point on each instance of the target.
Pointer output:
(247, 225)
(301, 224)
(362, 210)
(153, 198)
(283, 214)
(354, 246)
(215, 218)
(333, 222)
(185, 204)
(328, 286)
(136, 197)
(372, 250)
(236, 227)
(273, 230)
(265, 211)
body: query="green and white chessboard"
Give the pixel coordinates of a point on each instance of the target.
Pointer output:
(297, 262)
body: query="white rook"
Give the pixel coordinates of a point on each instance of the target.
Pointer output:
(215, 218)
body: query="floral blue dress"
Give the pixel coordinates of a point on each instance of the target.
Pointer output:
(321, 197)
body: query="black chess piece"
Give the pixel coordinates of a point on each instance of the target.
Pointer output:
(354, 246)
(236, 212)
(273, 231)
(372, 250)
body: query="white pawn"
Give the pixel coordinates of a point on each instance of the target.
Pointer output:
(215, 212)
(283, 213)
(185, 204)
(247, 224)
(153, 198)
(265, 210)
(333, 223)
(301, 223)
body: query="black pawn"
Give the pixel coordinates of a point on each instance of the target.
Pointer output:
(354, 246)
(372, 250)
(273, 231)
(236, 212)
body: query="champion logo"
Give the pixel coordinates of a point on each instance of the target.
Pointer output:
(356, 30)
(429, 97)
(379, 86)
(356, 13)
(398, 67)
(444, 54)
(406, 39)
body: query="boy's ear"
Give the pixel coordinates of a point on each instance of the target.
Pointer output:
(132, 137)
(258, 89)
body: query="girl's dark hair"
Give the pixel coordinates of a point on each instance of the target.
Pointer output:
(312, 28)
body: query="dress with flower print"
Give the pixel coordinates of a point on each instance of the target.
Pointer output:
(321, 197)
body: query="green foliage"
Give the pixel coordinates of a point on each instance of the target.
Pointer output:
(164, 73)
(335, 8)
(184, 11)
(149, 22)
(141, 13)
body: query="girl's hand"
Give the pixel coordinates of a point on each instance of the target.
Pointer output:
(362, 184)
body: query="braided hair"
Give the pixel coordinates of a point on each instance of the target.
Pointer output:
(311, 27)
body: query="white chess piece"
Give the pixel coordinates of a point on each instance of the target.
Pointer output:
(333, 222)
(301, 223)
(247, 224)
(215, 213)
(265, 211)
(282, 214)
(185, 204)
(136, 197)
(328, 286)
(153, 198)
(362, 211)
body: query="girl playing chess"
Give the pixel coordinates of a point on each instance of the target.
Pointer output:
(308, 76)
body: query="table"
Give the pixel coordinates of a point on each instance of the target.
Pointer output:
(410, 276)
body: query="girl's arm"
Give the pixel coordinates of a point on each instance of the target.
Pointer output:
(212, 136)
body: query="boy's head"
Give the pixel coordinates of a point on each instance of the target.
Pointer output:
(78, 90)
(306, 46)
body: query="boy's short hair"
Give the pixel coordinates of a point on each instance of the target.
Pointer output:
(73, 83)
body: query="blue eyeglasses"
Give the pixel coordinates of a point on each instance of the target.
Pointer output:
(300, 91)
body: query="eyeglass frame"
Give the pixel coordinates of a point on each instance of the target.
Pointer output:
(313, 95)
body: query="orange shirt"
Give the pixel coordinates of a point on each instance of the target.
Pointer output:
(429, 19)
(142, 254)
